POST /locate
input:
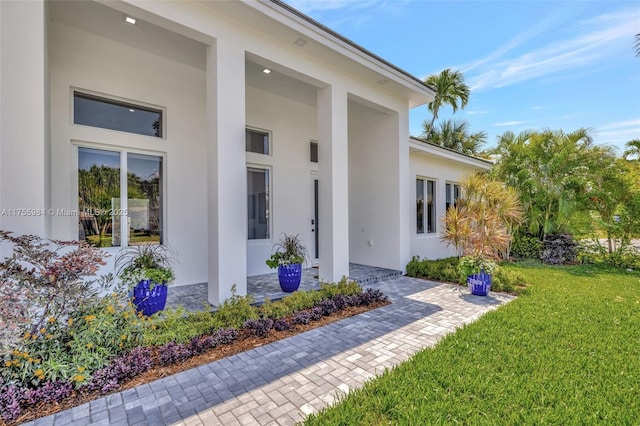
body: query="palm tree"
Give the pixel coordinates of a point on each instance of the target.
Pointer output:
(633, 149)
(454, 135)
(636, 44)
(450, 90)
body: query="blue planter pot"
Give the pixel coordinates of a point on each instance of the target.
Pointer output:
(290, 277)
(149, 301)
(479, 284)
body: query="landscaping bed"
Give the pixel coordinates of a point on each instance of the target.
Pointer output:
(245, 341)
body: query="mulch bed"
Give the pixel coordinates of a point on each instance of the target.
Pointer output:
(244, 342)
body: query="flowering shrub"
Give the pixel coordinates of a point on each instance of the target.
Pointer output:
(125, 367)
(71, 350)
(50, 392)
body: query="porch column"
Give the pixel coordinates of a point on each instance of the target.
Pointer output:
(227, 175)
(333, 185)
(24, 120)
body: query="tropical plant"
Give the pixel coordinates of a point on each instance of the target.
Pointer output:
(454, 135)
(450, 90)
(633, 146)
(550, 170)
(153, 262)
(289, 250)
(482, 223)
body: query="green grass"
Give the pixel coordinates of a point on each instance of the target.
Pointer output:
(566, 353)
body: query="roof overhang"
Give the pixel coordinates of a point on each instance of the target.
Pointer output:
(289, 25)
(429, 149)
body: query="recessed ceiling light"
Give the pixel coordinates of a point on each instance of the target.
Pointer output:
(130, 20)
(266, 70)
(300, 42)
(132, 110)
(383, 81)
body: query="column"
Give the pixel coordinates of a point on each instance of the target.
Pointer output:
(227, 175)
(333, 183)
(23, 117)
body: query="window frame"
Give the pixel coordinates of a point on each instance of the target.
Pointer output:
(269, 134)
(124, 201)
(119, 101)
(269, 214)
(426, 230)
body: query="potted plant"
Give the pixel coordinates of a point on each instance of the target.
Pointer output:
(288, 257)
(477, 270)
(480, 228)
(146, 270)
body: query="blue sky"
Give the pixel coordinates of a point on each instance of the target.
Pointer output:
(529, 64)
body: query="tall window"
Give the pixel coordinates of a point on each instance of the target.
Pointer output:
(101, 209)
(258, 203)
(257, 141)
(96, 111)
(425, 206)
(453, 194)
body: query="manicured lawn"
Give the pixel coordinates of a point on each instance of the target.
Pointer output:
(568, 352)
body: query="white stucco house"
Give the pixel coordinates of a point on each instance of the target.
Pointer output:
(225, 123)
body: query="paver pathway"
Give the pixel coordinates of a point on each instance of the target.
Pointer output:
(280, 383)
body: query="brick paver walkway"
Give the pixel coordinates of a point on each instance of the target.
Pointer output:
(280, 383)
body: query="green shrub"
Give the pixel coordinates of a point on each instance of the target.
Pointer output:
(627, 257)
(345, 287)
(178, 325)
(438, 270)
(507, 281)
(273, 310)
(526, 247)
(234, 311)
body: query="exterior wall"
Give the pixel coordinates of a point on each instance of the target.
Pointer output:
(291, 125)
(442, 171)
(83, 60)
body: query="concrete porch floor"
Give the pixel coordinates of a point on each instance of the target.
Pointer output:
(194, 297)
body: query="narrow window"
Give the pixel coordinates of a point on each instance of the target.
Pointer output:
(97, 111)
(258, 203)
(452, 195)
(431, 206)
(425, 206)
(313, 151)
(257, 141)
(98, 197)
(144, 196)
(420, 206)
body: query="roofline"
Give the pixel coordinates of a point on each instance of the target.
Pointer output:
(417, 141)
(351, 43)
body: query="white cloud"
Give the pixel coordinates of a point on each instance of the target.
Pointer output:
(618, 133)
(621, 124)
(594, 40)
(509, 123)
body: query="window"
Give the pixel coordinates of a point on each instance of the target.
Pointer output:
(313, 151)
(425, 206)
(96, 111)
(453, 194)
(100, 207)
(258, 203)
(257, 141)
